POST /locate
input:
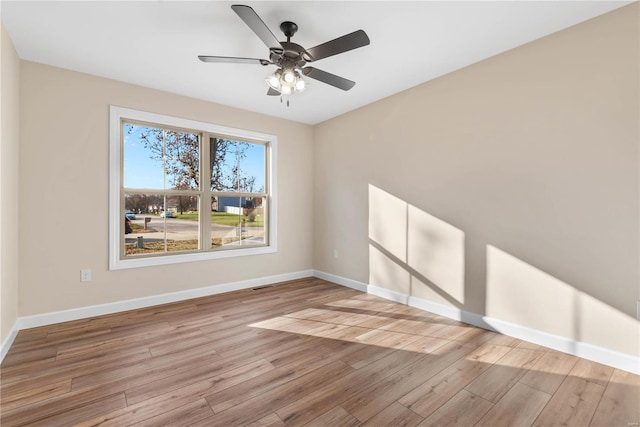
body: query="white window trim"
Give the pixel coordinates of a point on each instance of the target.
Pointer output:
(115, 166)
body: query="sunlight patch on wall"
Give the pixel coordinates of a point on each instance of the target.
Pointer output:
(604, 325)
(388, 222)
(413, 252)
(525, 295)
(436, 252)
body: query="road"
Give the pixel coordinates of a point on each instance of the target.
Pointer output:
(173, 225)
(183, 229)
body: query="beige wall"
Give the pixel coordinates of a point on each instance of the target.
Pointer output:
(508, 188)
(64, 187)
(9, 215)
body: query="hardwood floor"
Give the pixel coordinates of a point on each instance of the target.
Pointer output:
(306, 352)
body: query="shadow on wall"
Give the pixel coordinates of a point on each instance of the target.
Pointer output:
(416, 254)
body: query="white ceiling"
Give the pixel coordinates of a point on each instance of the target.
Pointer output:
(156, 43)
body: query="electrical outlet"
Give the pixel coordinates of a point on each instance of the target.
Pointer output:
(335, 254)
(85, 275)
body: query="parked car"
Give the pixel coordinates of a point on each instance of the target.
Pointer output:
(127, 226)
(166, 214)
(130, 215)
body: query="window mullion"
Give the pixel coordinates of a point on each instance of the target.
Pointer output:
(205, 191)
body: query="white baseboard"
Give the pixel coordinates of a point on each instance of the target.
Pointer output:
(623, 361)
(349, 283)
(44, 319)
(451, 312)
(4, 349)
(388, 294)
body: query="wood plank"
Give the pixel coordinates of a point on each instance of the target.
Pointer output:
(263, 404)
(496, 338)
(83, 412)
(427, 345)
(175, 399)
(60, 370)
(326, 315)
(275, 339)
(57, 407)
(19, 394)
(314, 403)
(549, 371)
(217, 371)
(180, 345)
(620, 403)
(394, 415)
(145, 371)
(425, 327)
(529, 345)
(49, 339)
(306, 362)
(454, 332)
(293, 354)
(371, 400)
(592, 371)
(334, 417)
(185, 415)
(462, 410)
(573, 404)
(116, 342)
(365, 355)
(430, 395)
(519, 407)
(271, 420)
(28, 356)
(388, 339)
(342, 332)
(493, 383)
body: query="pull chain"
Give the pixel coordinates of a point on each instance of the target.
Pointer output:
(281, 101)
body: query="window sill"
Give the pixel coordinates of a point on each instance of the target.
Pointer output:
(122, 264)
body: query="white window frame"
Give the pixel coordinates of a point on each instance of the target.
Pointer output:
(116, 161)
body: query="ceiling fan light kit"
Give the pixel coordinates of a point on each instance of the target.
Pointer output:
(291, 58)
(286, 81)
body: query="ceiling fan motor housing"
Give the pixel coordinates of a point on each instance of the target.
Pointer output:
(290, 55)
(289, 29)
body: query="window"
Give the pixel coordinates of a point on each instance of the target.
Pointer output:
(182, 190)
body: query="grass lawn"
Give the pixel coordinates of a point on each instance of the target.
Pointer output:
(224, 218)
(156, 247)
(137, 228)
(176, 245)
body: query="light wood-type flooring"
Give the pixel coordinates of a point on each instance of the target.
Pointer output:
(306, 352)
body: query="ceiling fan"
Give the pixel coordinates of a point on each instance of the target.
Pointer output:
(291, 58)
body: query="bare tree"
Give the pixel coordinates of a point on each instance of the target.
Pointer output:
(142, 203)
(180, 155)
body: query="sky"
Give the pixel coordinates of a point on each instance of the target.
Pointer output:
(144, 172)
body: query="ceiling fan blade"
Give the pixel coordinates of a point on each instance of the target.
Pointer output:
(251, 18)
(328, 78)
(232, 60)
(272, 92)
(341, 44)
